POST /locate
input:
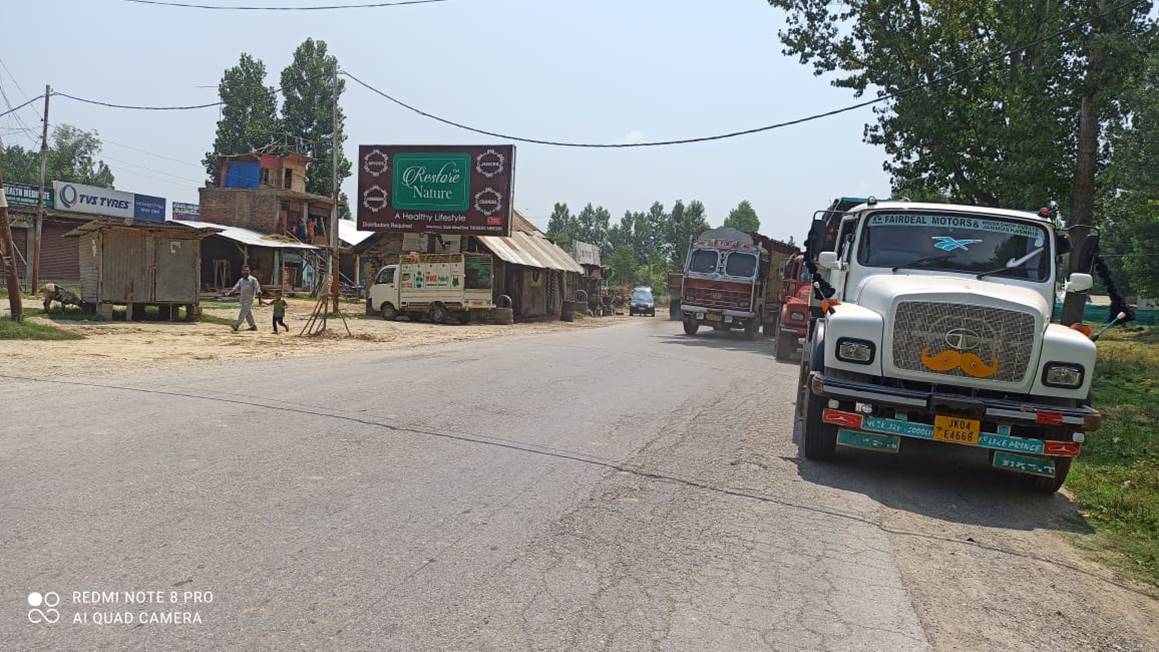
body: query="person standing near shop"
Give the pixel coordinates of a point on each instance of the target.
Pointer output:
(246, 288)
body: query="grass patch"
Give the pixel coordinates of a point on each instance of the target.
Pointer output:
(27, 330)
(1116, 479)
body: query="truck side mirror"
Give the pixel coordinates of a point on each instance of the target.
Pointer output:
(828, 260)
(1079, 282)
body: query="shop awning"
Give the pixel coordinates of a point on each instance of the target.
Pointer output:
(531, 251)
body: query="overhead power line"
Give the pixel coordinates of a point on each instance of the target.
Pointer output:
(368, 5)
(21, 106)
(558, 143)
(138, 107)
(755, 130)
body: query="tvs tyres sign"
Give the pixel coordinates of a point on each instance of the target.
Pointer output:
(79, 198)
(464, 190)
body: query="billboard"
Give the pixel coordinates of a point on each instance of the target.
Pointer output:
(450, 189)
(79, 198)
(22, 194)
(187, 212)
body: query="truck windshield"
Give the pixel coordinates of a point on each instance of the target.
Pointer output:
(956, 243)
(739, 264)
(703, 261)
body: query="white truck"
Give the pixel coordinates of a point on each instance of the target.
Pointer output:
(440, 287)
(939, 328)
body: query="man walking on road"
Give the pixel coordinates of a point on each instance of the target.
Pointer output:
(247, 287)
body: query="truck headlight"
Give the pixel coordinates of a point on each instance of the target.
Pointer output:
(796, 316)
(1062, 374)
(855, 351)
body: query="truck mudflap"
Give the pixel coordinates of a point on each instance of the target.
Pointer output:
(1081, 417)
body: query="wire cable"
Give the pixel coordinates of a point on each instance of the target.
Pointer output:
(21, 106)
(369, 5)
(139, 107)
(755, 130)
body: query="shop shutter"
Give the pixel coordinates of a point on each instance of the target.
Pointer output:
(59, 256)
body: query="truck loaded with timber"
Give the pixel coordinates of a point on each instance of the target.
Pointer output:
(731, 281)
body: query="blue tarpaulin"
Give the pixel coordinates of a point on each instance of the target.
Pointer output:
(243, 174)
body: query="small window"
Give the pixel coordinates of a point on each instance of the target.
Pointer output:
(742, 265)
(703, 261)
(385, 276)
(289, 179)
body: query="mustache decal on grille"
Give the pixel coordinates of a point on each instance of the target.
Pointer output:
(951, 359)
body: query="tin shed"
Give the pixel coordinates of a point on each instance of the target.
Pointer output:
(137, 265)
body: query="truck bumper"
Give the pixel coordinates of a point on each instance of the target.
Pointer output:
(1082, 417)
(700, 311)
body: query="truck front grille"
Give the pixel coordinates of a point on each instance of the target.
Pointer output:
(716, 298)
(929, 328)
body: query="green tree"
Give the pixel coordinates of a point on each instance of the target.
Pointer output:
(1129, 186)
(1005, 131)
(743, 218)
(687, 223)
(307, 91)
(624, 265)
(249, 112)
(73, 155)
(561, 225)
(591, 225)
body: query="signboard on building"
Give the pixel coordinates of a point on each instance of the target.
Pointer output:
(463, 190)
(24, 195)
(79, 198)
(188, 212)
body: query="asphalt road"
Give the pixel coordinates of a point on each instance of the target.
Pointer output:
(626, 487)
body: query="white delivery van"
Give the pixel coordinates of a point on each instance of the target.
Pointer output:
(436, 286)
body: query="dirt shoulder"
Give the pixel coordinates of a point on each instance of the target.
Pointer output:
(117, 345)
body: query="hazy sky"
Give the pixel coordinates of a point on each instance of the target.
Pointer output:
(591, 70)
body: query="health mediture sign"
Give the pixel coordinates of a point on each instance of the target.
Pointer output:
(463, 190)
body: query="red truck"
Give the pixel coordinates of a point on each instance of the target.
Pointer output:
(792, 322)
(731, 281)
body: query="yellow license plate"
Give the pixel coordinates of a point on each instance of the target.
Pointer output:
(711, 316)
(957, 430)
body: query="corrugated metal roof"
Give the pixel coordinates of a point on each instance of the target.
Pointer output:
(248, 237)
(348, 232)
(531, 251)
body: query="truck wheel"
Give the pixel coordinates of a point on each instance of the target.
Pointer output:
(751, 329)
(691, 326)
(439, 314)
(389, 312)
(818, 439)
(786, 347)
(770, 328)
(1050, 485)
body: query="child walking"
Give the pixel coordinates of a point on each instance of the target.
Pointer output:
(279, 305)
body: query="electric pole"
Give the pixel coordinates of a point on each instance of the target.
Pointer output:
(7, 251)
(334, 144)
(34, 276)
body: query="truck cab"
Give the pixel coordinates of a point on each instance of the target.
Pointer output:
(939, 328)
(725, 278)
(793, 317)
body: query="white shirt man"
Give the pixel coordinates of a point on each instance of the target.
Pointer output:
(247, 288)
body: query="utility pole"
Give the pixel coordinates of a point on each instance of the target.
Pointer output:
(334, 144)
(34, 276)
(7, 249)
